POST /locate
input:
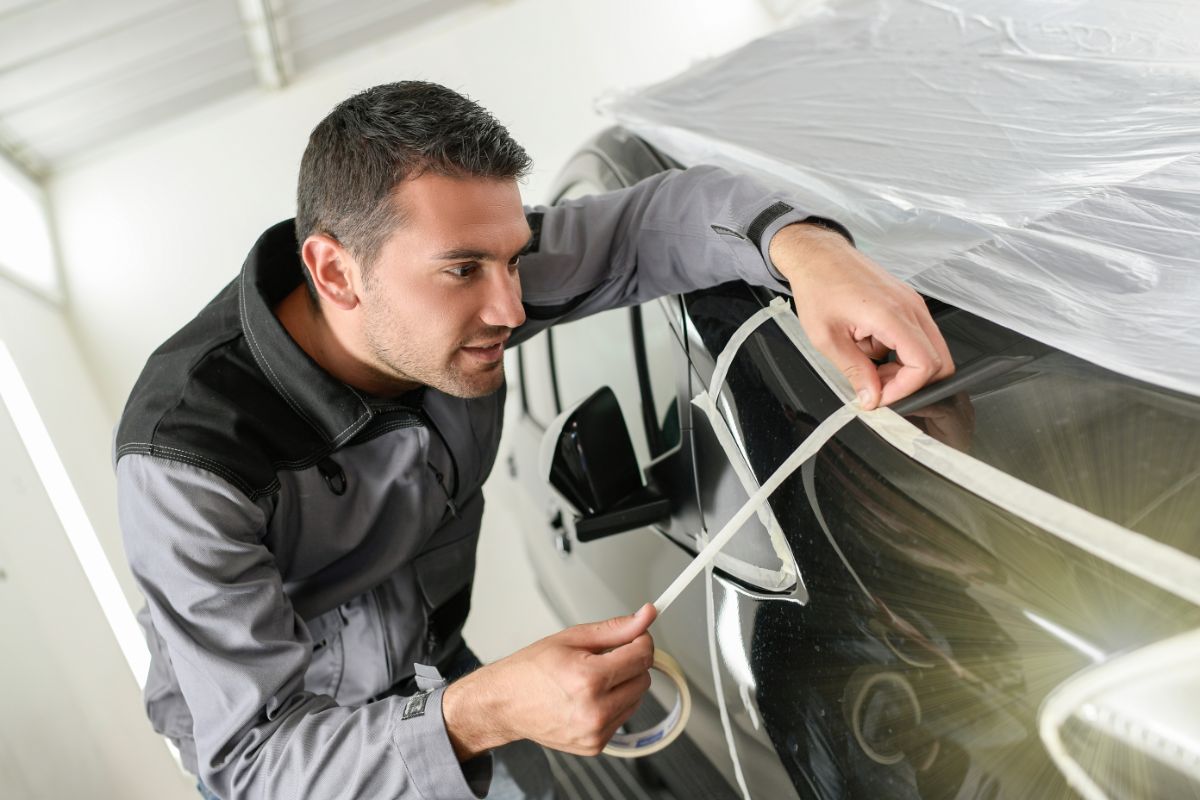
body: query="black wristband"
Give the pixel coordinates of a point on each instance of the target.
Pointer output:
(831, 225)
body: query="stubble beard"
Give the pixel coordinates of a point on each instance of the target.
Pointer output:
(396, 360)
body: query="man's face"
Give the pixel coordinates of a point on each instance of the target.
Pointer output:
(444, 295)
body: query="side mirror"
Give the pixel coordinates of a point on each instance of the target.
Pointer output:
(588, 459)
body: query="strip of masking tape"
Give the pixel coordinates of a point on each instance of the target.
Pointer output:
(647, 742)
(652, 740)
(758, 498)
(739, 337)
(1156, 563)
(807, 449)
(742, 470)
(718, 685)
(704, 401)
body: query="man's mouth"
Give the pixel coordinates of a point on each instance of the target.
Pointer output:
(487, 352)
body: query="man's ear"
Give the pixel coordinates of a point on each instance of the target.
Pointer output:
(334, 271)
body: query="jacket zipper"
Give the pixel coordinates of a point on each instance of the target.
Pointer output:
(450, 494)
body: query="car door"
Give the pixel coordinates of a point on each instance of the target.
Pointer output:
(615, 574)
(636, 352)
(640, 353)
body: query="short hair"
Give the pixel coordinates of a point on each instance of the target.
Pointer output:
(375, 140)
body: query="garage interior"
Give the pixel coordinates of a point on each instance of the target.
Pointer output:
(144, 145)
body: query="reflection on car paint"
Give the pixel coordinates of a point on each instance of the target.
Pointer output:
(918, 587)
(929, 640)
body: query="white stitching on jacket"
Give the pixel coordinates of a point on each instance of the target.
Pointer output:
(258, 353)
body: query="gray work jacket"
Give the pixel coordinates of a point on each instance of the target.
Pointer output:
(302, 545)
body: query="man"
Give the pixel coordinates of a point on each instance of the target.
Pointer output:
(299, 467)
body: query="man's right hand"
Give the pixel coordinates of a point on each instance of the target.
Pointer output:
(569, 692)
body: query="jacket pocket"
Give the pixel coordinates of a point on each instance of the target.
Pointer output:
(324, 674)
(444, 576)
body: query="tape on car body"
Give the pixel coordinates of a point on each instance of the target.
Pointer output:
(1157, 563)
(1118, 700)
(741, 469)
(756, 504)
(807, 449)
(718, 685)
(636, 745)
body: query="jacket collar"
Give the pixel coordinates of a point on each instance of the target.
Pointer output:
(273, 269)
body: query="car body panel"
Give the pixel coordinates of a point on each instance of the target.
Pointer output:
(907, 648)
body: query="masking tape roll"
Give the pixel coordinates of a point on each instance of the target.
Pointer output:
(644, 743)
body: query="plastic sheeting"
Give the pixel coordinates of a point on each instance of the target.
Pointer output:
(1036, 162)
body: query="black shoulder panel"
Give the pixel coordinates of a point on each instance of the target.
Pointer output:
(201, 399)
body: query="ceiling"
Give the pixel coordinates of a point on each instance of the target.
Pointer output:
(75, 74)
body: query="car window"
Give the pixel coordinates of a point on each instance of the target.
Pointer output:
(542, 399)
(537, 387)
(663, 362)
(599, 351)
(603, 350)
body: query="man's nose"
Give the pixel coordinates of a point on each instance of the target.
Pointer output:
(503, 307)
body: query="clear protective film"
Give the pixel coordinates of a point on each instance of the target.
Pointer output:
(1036, 163)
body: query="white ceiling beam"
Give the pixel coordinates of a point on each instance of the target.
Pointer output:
(261, 25)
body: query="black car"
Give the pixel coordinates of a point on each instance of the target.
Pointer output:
(886, 628)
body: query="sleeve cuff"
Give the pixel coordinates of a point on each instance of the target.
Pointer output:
(782, 220)
(419, 733)
(756, 236)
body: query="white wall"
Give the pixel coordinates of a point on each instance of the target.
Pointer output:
(72, 720)
(45, 351)
(151, 229)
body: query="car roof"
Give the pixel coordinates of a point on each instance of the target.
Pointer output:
(1044, 176)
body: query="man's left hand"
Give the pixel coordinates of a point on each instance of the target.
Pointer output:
(853, 311)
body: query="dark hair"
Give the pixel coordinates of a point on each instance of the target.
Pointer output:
(378, 138)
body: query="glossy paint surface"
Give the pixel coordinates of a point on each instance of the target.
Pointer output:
(937, 623)
(905, 641)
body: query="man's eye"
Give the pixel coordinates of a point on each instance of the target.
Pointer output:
(463, 270)
(516, 261)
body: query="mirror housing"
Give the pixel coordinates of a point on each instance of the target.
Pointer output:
(588, 459)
